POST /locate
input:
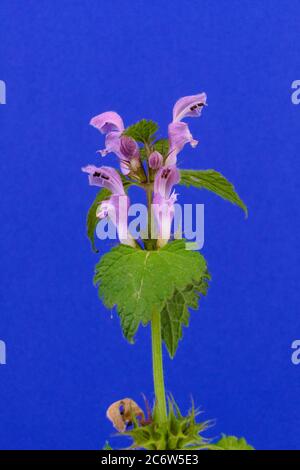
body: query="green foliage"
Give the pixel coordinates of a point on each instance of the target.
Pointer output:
(107, 446)
(137, 281)
(232, 443)
(142, 131)
(178, 432)
(161, 146)
(92, 220)
(213, 181)
(143, 154)
(175, 313)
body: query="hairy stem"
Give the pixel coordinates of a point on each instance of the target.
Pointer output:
(158, 373)
(157, 360)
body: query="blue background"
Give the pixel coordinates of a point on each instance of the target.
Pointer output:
(64, 62)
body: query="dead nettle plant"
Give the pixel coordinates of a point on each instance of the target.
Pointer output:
(153, 280)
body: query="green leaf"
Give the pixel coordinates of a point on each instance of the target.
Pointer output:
(107, 446)
(215, 182)
(233, 443)
(161, 146)
(143, 154)
(178, 432)
(92, 220)
(136, 281)
(175, 313)
(142, 131)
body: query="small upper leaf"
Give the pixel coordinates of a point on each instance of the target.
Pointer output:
(142, 131)
(137, 281)
(215, 182)
(92, 220)
(162, 146)
(233, 443)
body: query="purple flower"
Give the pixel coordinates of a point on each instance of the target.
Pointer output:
(112, 144)
(164, 213)
(155, 160)
(165, 179)
(111, 124)
(179, 133)
(116, 208)
(110, 207)
(105, 177)
(108, 122)
(189, 106)
(163, 201)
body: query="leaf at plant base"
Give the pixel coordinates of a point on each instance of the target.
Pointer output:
(175, 313)
(215, 182)
(137, 281)
(142, 131)
(178, 432)
(233, 443)
(107, 446)
(92, 220)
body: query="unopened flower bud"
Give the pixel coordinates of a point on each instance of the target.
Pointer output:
(128, 147)
(155, 160)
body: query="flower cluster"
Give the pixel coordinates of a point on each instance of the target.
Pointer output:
(156, 173)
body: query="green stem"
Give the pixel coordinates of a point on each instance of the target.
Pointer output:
(157, 360)
(158, 373)
(149, 204)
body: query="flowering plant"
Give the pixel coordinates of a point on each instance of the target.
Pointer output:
(153, 279)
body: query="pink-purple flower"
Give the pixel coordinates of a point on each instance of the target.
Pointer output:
(116, 207)
(105, 177)
(189, 106)
(179, 133)
(159, 171)
(164, 200)
(111, 124)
